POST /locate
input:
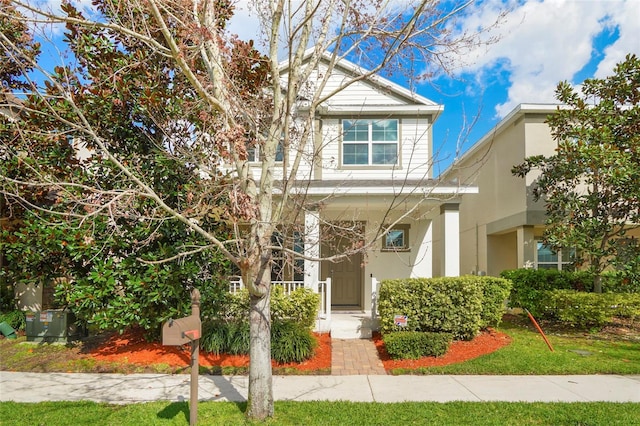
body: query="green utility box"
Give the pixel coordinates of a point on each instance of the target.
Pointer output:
(52, 326)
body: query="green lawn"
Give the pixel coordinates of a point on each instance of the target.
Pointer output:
(324, 413)
(574, 353)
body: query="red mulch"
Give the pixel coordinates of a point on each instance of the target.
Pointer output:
(459, 351)
(131, 347)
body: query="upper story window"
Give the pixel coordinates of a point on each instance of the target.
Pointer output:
(254, 155)
(546, 258)
(369, 142)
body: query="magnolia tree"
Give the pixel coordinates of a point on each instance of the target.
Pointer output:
(591, 186)
(166, 79)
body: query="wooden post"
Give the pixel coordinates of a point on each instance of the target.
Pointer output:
(195, 346)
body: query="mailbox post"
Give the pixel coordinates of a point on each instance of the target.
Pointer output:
(182, 331)
(195, 352)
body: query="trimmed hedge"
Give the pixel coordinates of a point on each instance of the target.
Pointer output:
(301, 306)
(530, 285)
(583, 309)
(416, 344)
(495, 292)
(457, 305)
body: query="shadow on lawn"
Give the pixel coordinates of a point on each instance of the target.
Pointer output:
(174, 409)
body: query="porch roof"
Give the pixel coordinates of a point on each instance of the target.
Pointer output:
(423, 187)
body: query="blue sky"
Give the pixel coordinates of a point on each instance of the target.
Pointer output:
(541, 42)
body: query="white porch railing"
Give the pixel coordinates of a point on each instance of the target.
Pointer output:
(323, 289)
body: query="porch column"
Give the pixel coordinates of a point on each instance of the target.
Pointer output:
(311, 249)
(451, 239)
(526, 246)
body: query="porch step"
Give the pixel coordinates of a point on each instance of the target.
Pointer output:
(351, 325)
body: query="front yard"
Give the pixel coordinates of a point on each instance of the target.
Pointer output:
(614, 350)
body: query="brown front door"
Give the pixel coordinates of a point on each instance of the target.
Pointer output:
(346, 278)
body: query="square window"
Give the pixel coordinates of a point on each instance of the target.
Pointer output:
(385, 130)
(355, 130)
(396, 239)
(385, 153)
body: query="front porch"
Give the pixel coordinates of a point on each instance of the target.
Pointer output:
(357, 324)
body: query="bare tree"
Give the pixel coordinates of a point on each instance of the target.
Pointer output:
(242, 108)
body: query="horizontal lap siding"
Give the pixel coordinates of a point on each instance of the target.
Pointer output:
(359, 93)
(414, 153)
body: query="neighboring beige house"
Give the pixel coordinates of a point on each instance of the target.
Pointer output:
(501, 226)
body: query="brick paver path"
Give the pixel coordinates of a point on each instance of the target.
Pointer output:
(355, 356)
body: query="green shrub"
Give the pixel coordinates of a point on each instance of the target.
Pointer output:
(415, 344)
(16, 319)
(584, 310)
(226, 337)
(291, 342)
(622, 281)
(451, 305)
(214, 337)
(301, 306)
(530, 285)
(495, 292)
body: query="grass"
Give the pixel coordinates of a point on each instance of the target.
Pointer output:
(574, 353)
(527, 354)
(325, 413)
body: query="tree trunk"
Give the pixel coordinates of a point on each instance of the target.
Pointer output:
(597, 283)
(260, 401)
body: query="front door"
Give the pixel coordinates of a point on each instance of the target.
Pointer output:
(346, 278)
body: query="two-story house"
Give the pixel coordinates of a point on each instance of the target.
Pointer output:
(372, 167)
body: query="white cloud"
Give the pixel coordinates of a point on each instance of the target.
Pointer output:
(546, 41)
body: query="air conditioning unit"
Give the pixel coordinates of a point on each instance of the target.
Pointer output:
(52, 326)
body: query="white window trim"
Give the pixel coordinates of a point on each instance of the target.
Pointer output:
(560, 264)
(370, 144)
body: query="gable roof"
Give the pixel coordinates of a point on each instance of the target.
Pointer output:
(514, 115)
(407, 101)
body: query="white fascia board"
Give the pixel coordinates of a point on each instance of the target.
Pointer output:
(395, 110)
(389, 190)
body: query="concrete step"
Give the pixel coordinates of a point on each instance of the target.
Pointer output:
(351, 325)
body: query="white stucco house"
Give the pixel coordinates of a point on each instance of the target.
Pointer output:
(372, 166)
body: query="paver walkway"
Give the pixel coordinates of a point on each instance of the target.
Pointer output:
(355, 357)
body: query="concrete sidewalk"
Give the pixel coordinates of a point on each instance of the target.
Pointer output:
(131, 388)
